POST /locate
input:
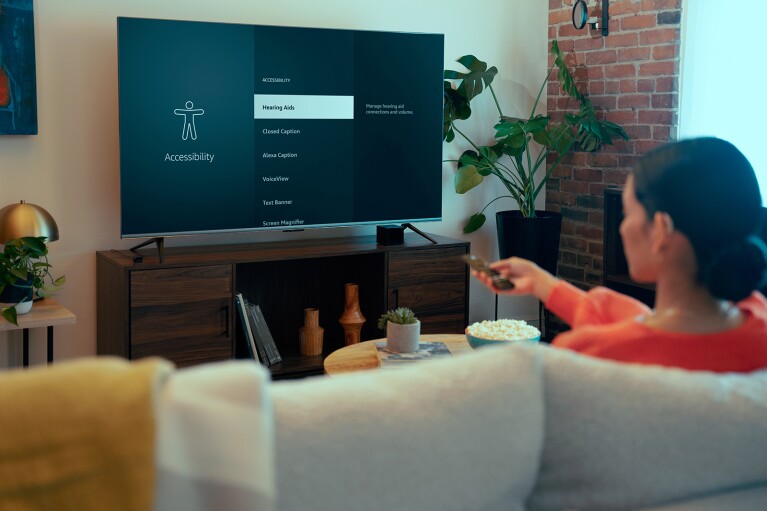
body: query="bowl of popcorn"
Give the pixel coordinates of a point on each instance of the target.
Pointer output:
(486, 333)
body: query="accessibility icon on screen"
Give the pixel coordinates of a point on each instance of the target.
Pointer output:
(189, 113)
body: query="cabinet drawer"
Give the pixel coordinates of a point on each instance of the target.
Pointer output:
(203, 320)
(180, 285)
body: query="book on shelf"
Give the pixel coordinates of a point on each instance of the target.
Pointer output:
(263, 335)
(250, 340)
(426, 351)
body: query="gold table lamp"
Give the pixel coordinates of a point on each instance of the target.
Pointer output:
(24, 219)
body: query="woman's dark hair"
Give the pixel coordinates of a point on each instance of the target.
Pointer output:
(710, 191)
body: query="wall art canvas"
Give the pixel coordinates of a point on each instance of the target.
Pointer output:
(18, 90)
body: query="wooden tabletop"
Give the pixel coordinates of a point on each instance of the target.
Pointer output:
(362, 356)
(46, 312)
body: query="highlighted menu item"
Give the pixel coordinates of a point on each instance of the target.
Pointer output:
(305, 106)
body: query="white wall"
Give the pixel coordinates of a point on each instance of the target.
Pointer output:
(71, 168)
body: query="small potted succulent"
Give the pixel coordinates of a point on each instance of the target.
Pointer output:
(402, 330)
(24, 273)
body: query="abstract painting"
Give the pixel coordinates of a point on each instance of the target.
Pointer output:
(18, 90)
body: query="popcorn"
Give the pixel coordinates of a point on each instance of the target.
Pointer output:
(503, 330)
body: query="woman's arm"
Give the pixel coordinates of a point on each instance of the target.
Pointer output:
(528, 278)
(574, 306)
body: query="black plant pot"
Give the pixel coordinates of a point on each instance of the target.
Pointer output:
(536, 239)
(16, 294)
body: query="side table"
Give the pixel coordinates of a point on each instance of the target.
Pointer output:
(362, 356)
(45, 313)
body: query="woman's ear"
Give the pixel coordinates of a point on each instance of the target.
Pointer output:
(663, 229)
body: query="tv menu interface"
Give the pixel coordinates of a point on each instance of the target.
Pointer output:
(239, 127)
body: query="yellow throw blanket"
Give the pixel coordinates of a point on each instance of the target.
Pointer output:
(79, 435)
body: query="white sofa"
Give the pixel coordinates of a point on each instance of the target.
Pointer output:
(523, 427)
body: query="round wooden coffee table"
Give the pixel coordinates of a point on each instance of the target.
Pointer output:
(362, 356)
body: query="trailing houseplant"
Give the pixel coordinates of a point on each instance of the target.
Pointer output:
(402, 328)
(509, 158)
(24, 268)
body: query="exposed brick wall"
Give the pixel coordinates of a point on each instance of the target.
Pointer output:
(632, 78)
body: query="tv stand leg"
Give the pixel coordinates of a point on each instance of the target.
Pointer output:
(419, 231)
(160, 249)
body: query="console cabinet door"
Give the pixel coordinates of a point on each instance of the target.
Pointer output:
(182, 314)
(434, 283)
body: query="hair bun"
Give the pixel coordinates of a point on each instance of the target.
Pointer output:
(738, 270)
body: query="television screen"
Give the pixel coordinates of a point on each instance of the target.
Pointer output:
(229, 127)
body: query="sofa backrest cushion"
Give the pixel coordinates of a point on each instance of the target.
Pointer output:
(623, 436)
(458, 434)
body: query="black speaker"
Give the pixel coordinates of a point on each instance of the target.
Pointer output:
(391, 234)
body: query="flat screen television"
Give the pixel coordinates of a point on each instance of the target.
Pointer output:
(234, 127)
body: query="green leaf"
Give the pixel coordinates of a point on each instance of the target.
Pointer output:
(483, 161)
(507, 128)
(476, 221)
(472, 63)
(474, 82)
(452, 75)
(561, 138)
(19, 272)
(468, 157)
(517, 140)
(542, 138)
(467, 178)
(614, 130)
(497, 150)
(35, 244)
(454, 106)
(9, 313)
(488, 154)
(563, 74)
(587, 141)
(536, 124)
(513, 151)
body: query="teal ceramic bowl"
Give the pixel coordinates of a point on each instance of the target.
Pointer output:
(477, 342)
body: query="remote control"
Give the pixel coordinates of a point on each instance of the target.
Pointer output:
(477, 263)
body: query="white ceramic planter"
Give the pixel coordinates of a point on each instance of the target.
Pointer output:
(24, 307)
(402, 338)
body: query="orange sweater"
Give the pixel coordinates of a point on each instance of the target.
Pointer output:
(604, 325)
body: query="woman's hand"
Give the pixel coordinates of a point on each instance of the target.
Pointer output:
(528, 278)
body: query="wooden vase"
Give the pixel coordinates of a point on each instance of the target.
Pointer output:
(310, 335)
(352, 319)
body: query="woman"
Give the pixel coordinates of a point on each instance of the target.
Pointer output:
(691, 213)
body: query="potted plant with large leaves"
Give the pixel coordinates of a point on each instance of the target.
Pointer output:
(510, 156)
(24, 273)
